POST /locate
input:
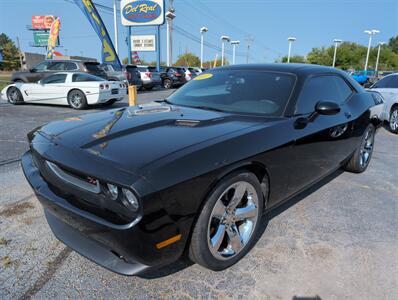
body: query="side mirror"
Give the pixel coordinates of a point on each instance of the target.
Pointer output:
(327, 108)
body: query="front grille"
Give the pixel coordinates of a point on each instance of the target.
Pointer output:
(89, 184)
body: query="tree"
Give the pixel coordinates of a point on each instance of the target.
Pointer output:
(294, 59)
(10, 54)
(188, 59)
(393, 44)
(210, 63)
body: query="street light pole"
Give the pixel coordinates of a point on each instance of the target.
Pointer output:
(336, 43)
(378, 56)
(169, 19)
(202, 33)
(115, 27)
(290, 40)
(224, 39)
(234, 43)
(371, 33)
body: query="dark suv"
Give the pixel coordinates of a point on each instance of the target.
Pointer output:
(52, 66)
(172, 77)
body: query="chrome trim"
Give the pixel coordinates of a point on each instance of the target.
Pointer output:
(73, 180)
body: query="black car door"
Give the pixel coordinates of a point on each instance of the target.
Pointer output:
(326, 140)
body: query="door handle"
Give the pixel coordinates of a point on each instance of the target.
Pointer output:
(348, 115)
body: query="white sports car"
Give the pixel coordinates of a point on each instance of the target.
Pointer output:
(78, 90)
(388, 87)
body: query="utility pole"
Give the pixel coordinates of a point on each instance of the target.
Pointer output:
(223, 39)
(249, 41)
(202, 32)
(234, 44)
(19, 52)
(370, 33)
(336, 43)
(290, 40)
(115, 27)
(378, 57)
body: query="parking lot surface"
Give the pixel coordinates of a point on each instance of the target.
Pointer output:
(338, 240)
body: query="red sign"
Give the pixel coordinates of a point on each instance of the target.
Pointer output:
(42, 22)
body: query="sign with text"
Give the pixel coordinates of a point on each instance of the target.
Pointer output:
(142, 12)
(143, 43)
(40, 38)
(42, 22)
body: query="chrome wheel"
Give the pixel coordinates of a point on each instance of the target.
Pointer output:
(233, 220)
(13, 95)
(367, 147)
(76, 100)
(394, 120)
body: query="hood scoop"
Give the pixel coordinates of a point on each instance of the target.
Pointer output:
(187, 123)
(146, 110)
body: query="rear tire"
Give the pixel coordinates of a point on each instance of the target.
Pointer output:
(362, 155)
(226, 229)
(393, 122)
(167, 84)
(14, 95)
(77, 100)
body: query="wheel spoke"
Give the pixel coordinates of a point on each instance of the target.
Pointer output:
(235, 238)
(246, 212)
(219, 209)
(217, 239)
(238, 195)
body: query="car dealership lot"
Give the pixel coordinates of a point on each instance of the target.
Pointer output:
(339, 240)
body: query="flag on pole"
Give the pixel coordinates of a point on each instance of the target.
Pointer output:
(53, 37)
(108, 52)
(136, 58)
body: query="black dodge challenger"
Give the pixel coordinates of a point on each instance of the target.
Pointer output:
(134, 188)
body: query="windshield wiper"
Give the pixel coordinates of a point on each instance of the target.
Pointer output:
(208, 108)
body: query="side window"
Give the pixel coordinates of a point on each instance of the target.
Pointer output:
(71, 66)
(42, 66)
(57, 78)
(57, 66)
(393, 83)
(383, 83)
(322, 88)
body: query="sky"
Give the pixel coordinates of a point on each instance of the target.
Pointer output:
(314, 23)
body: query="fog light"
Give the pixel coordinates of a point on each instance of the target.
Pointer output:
(113, 190)
(131, 199)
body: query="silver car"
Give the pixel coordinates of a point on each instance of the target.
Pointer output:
(150, 77)
(388, 87)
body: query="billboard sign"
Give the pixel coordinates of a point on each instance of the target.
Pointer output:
(40, 38)
(143, 43)
(42, 22)
(142, 12)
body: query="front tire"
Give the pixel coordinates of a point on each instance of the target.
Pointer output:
(393, 122)
(14, 96)
(362, 155)
(228, 225)
(77, 100)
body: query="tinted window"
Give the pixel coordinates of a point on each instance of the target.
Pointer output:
(57, 66)
(152, 69)
(390, 82)
(71, 66)
(377, 98)
(322, 88)
(42, 66)
(116, 67)
(57, 78)
(85, 77)
(142, 69)
(92, 66)
(265, 93)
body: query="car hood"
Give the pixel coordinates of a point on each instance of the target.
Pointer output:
(134, 137)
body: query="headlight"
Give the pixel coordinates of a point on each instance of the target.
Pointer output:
(113, 190)
(130, 199)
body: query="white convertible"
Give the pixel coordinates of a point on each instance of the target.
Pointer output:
(388, 87)
(78, 90)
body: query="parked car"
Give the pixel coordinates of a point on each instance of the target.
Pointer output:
(149, 76)
(78, 90)
(48, 67)
(115, 73)
(134, 76)
(388, 87)
(195, 70)
(211, 159)
(188, 74)
(172, 77)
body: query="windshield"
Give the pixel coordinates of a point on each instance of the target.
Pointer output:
(239, 91)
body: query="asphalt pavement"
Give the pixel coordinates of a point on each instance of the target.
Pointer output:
(338, 240)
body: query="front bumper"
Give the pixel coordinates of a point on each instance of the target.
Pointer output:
(127, 249)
